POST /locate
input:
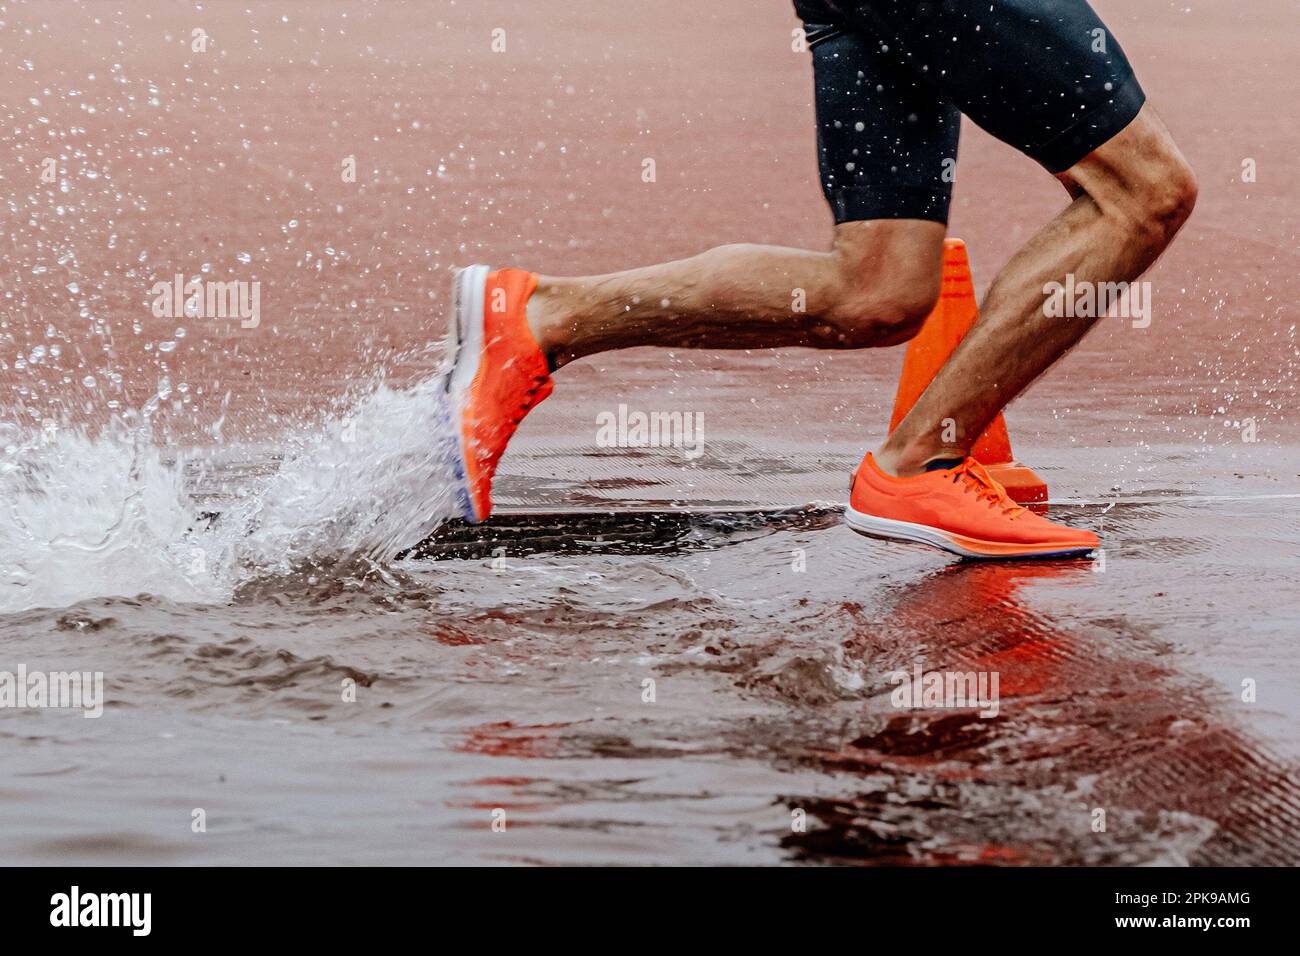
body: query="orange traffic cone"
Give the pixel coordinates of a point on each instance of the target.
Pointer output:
(951, 319)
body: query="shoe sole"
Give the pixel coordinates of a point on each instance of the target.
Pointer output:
(465, 343)
(888, 528)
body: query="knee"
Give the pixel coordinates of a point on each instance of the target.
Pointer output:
(869, 308)
(1165, 198)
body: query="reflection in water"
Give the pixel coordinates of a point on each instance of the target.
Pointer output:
(1089, 721)
(645, 689)
(1100, 753)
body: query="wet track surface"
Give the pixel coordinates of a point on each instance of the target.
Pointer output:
(227, 552)
(505, 668)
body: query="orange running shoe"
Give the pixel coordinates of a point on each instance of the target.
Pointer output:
(962, 510)
(498, 374)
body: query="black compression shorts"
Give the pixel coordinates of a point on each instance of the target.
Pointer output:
(893, 76)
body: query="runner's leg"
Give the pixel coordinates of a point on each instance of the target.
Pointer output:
(874, 287)
(883, 139)
(1047, 77)
(886, 141)
(1132, 195)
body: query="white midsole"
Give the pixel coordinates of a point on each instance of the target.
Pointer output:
(467, 331)
(466, 337)
(924, 534)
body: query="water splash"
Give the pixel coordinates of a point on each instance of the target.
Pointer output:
(113, 515)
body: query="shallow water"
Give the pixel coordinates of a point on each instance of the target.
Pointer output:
(505, 669)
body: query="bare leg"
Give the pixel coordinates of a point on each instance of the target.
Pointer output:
(1131, 197)
(874, 287)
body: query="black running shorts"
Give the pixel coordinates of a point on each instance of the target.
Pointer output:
(893, 76)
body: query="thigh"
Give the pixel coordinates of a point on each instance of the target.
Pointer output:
(887, 140)
(1044, 76)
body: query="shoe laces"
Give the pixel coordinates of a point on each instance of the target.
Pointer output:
(974, 478)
